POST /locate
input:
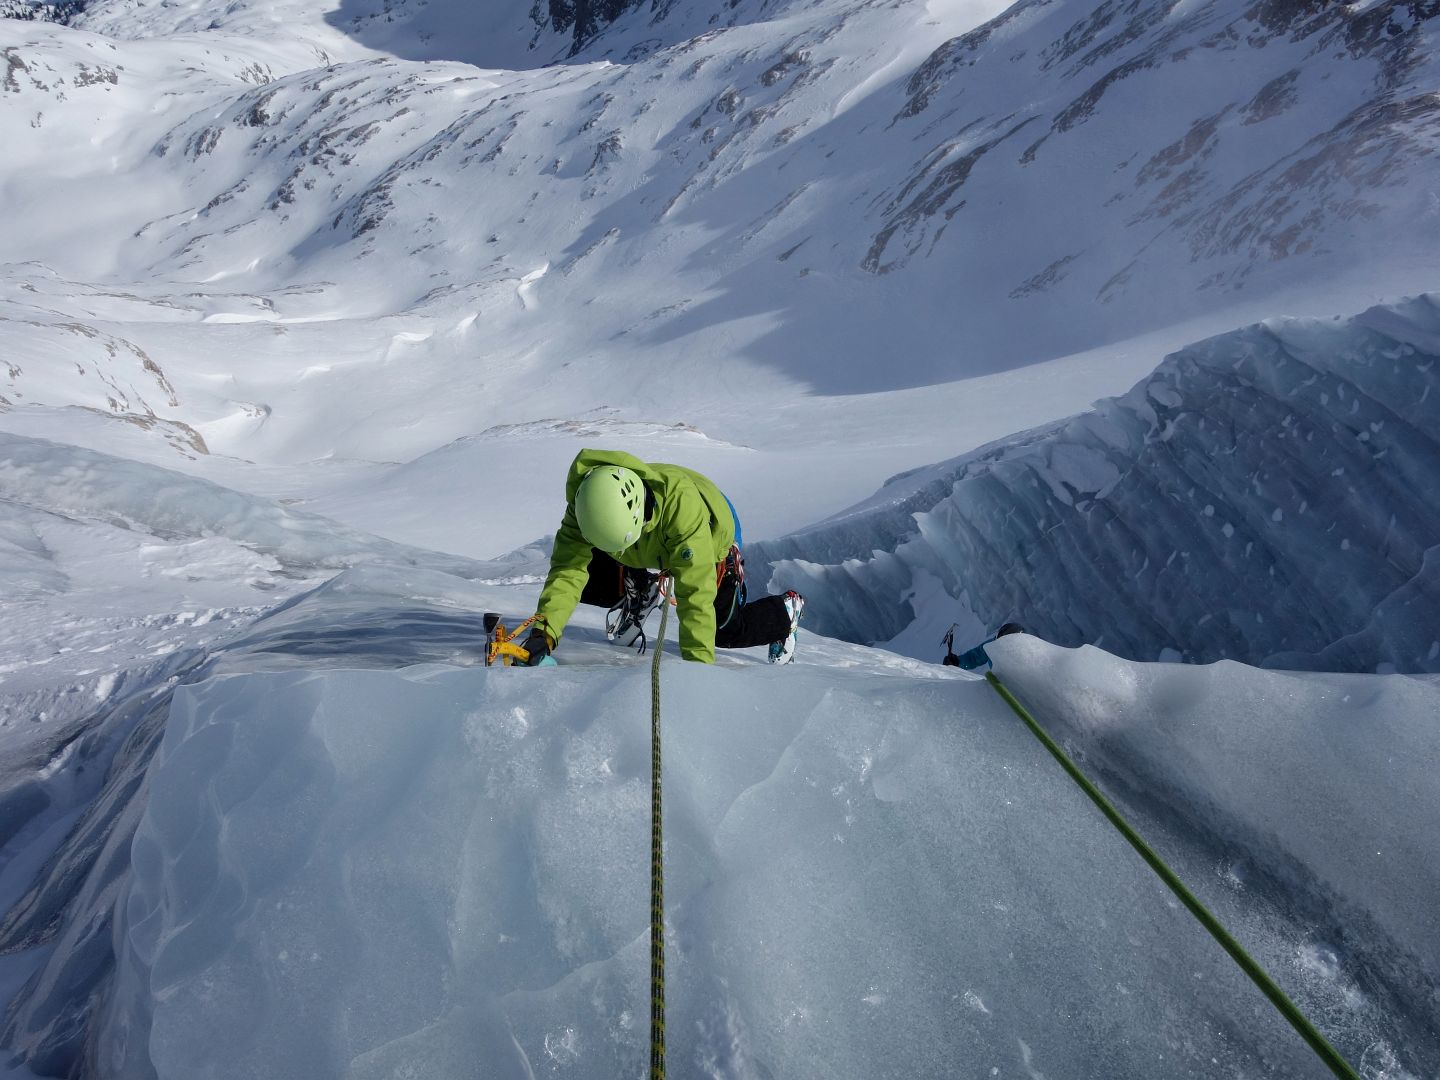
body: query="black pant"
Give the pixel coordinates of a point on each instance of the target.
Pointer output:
(739, 624)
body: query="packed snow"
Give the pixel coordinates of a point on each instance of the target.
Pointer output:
(1083, 314)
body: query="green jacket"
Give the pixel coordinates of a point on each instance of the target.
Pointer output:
(688, 534)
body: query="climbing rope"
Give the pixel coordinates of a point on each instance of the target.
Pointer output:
(1327, 1053)
(657, 869)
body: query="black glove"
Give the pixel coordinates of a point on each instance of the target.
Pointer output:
(537, 644)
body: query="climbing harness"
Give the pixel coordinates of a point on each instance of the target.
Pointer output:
(732, 566)
(657, 868)
(1288, 1009)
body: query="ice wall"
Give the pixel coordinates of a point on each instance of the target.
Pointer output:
(354, 873)
(356, 855)
(1266, 495)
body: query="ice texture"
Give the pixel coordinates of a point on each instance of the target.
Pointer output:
(357, 854)
(1265, 495)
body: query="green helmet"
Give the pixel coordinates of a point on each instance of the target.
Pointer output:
(610, 507)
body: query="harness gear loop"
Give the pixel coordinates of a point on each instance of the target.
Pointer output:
(657, 868)
(1258, 975)
(733, 565)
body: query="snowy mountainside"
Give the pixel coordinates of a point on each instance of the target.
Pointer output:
(246, 221)
(1263, 495)
(40, 10)
(353, 854)
(804, 192)
(499, 34)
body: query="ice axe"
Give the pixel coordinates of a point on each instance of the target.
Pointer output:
(500, 643)
(976, 657)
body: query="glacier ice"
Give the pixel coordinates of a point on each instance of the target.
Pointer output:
(360, 854)
(1266, 495)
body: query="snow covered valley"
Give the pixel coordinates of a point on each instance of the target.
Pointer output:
(1116, 317)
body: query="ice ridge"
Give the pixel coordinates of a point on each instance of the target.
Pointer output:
(1265, 496)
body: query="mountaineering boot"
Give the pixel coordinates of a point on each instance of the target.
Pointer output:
(625, 624)
(783, 651)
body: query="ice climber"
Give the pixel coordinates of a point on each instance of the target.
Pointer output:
(625, 519)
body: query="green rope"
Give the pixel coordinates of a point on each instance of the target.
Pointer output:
(1328, 1054)
(657, 867)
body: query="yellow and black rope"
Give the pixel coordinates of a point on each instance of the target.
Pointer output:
(657, 869)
